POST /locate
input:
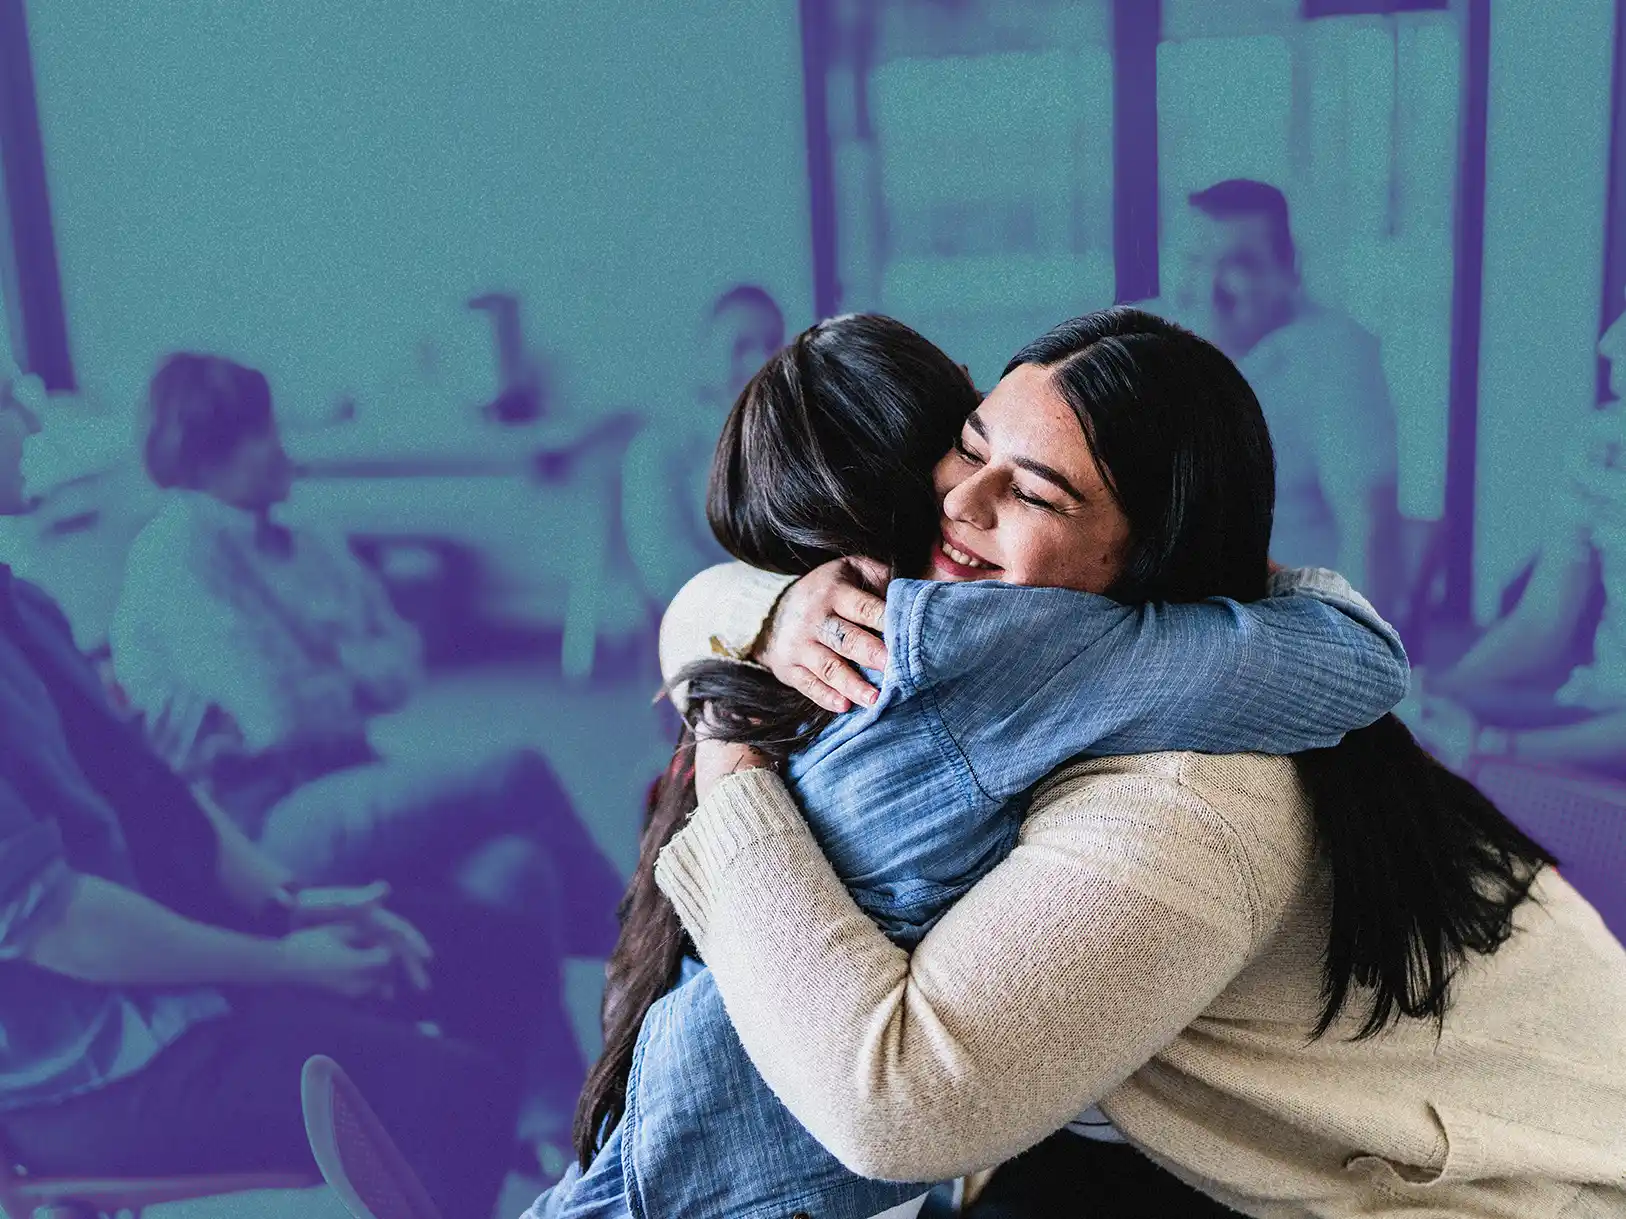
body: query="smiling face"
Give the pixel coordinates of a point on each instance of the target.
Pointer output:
(1022, 499)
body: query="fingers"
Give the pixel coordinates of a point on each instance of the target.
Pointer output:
(397, 929)
(842, 634)
(805, 682)
(824, 628)
(860, 606)
(830, 681)
(407, 945)
(377, 967)
(417, 973)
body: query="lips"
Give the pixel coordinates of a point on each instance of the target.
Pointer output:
(961, 563)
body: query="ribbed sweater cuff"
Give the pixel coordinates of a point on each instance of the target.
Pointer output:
(743, 809)
(746, 612)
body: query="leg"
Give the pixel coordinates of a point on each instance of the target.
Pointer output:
(1518, 705)
(225, 1098)
(1596, 743)
(497, 985)
(418, 821)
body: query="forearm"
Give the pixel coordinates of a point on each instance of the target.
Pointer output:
(252, 878)
(1293, 671)
(1289, 674)
(1516, 649)
(113, 936)
(919, 1067)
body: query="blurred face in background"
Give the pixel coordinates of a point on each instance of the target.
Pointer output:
(256, 476)
(736, 343)
(1235, 287)
(17, 423)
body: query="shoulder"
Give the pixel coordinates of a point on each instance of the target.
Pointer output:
(1004, 637)
(1317, 323)
(186, 526)
(1237, 823)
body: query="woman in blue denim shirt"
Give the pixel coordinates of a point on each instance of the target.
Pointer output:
(830, 451)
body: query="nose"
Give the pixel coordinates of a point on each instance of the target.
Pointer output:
(971, 501)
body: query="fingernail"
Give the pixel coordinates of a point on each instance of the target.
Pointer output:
(870, 696)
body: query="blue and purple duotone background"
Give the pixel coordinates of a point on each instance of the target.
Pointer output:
(402, 211)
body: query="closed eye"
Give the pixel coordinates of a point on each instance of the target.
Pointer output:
(963, 451)
(1021, 495)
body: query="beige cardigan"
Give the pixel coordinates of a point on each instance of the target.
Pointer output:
(1152, 944)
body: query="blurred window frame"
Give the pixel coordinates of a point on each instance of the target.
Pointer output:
(30, 278)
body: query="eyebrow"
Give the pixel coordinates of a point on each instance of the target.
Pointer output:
(1048, 473)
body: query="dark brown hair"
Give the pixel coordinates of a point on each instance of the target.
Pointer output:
(200, 408)
(828, 452)
(1424, 869)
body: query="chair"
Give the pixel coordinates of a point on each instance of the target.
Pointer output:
(26, 1197)
(1580, 818)
(357, 1157)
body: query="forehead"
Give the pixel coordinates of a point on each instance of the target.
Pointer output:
(1026, 414)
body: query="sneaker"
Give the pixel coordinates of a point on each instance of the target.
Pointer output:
(355, 1154)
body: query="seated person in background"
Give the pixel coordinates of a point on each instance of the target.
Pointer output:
(162, 982)
(1518, 692)
(663, 484)
(1318, 375)
(258, 654)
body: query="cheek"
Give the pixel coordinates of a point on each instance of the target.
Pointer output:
(1083, 559)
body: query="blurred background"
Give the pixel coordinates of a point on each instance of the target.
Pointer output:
(505, 265)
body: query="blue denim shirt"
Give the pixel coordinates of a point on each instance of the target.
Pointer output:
(988, 688)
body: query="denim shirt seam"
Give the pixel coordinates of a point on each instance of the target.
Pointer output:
(632, 1185)
(970, 783)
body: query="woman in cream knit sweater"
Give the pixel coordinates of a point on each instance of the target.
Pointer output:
(1165, 947)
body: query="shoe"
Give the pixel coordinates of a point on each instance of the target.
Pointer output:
(355, 1154)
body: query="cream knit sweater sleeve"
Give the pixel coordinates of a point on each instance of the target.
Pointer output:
(718, 614)
(1126, 907)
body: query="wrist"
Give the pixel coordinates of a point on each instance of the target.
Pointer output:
(264, 961)
(278, 962)
(759, 646)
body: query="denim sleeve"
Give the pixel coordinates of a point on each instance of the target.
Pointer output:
(1021, 679)
(35, 881)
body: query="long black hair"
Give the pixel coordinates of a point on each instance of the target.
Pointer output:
(1424, 869)
(828, 452)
